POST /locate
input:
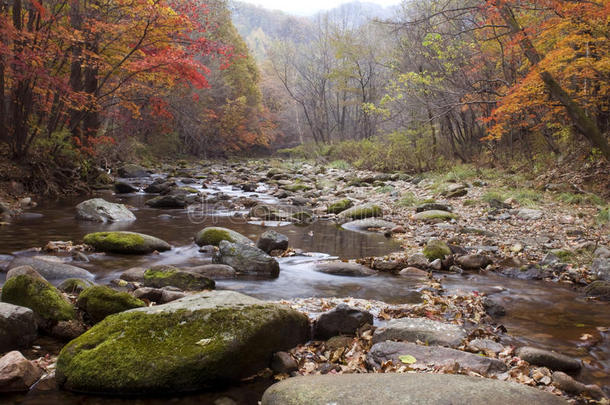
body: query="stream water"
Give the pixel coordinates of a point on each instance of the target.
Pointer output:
(538, 313)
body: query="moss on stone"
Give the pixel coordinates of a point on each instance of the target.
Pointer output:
(190, 190)
(125, 242)
(100, 301)
(165, 276)
(215, 235)
(340, 206)
(436, 249)
(74, 285)
(136, 352)
(363, 212)
(435, 216)
(38, 295)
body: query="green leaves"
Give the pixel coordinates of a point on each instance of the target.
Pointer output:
(408, 359)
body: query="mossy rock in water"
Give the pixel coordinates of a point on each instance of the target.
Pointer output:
(191, 344)
(75, 285)
(599, 289)
(100, 301)
(340, 206)
(165, 276)
(436, 249)
(297, 187)
(363, 212)
(435, 216)
(215, 235)
(38, 295)
(247, 259)
(126, 242)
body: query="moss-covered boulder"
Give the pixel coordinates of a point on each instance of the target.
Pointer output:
(436, 249)
(435, 216)
(362, 212)
(247, 259)
(100, 301)
(165, 276)
(214, 235)
(40, 296)
(340, 206)
(187, 345)
(126, 242)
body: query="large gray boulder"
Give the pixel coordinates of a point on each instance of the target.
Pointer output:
(272, 240)
(18, 327)
(427, 355)
(100, 210)
(403, 389)
(191, 344)
(342, 320)
(422, 329)
(51, 270)
(133, 171)
(247, 259)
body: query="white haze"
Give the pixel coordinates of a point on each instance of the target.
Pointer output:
(310, 7)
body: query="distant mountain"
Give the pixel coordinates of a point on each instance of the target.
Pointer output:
(260, 26)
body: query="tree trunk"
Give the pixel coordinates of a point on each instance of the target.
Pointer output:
(583, 123)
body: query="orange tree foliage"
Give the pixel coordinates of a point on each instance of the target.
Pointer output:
(572, 38)
(70, 66)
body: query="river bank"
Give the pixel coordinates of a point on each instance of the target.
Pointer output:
(503, 239)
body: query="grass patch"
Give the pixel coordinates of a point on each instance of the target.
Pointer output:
(603, 217)
(384, 189)
(409, 199)
(339, 164)
(578, 199)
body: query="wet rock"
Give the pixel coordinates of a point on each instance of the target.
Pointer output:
(135, 274)
(67, 330)
(74, 285)
(18, 327)
(283, 363)
(545, 358)
(17, 374)
(122, 187)
(126, 243)
(165, 276)
(132, 171)
(418, 260)
(214, 271)
(37, 294)
(168, 201)
(160, 187)
(100, 210)
(340, 206)
(272, 240)
(403, 389)
(600, 268)
(362, 212)
(342, 320)
(368, 224)
(422, 329)
(493, 309)
(413, 272)
(100, 301)
(527, 273)
(188, 345)
(344, 269)
(212, 236)
(45, 384)
(434, 207)
(599, 289)
(247, 259)
(461, 192)
(473, 262)
(569, 385)
(149, 294)
(389, 266)
(436, 249)
(436, 264)
(437, 355)
(485, 346)
(50, 270)
(529, 214)
(435, 216)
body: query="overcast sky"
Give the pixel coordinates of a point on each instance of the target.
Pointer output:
(310, 6)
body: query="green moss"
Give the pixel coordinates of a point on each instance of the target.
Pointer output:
(469, 203)
(182, 351)
(100, 301)
(340, 206)
(563, 254)
(125, 242)
(603, 217)
(435, 216)
(190, 190)
(38, 295)
(364, 212)
(436, 249)
(215, 235)
(297, 187)
(165, 276)
(74, 285)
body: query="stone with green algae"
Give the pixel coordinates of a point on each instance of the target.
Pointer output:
(213, 235)
(100, 301)
(126, 242)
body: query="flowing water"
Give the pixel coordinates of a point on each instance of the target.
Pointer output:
(538, 313)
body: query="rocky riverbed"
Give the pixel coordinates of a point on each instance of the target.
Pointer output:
(306, 270)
